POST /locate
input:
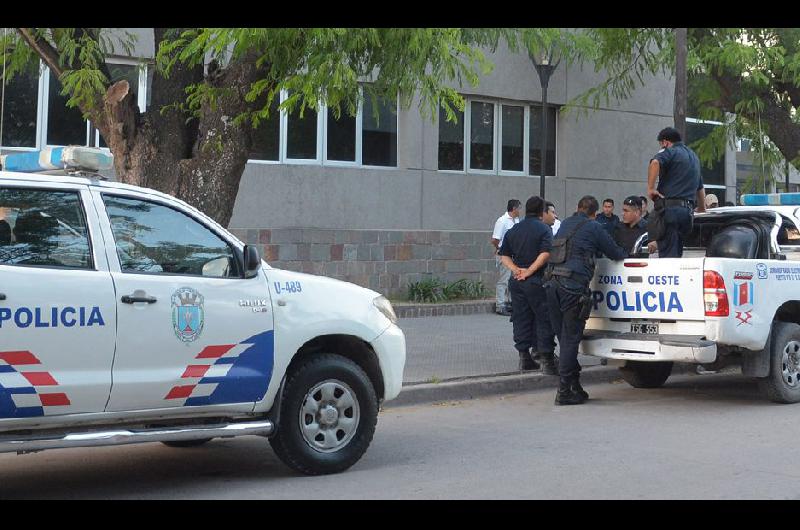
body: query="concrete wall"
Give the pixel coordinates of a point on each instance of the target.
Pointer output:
(601, 152)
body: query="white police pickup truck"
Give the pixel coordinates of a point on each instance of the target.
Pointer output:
(734, 297)
(128, 316)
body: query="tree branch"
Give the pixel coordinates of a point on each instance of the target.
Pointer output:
(43, 48)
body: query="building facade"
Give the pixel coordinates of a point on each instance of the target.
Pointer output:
(387, 201)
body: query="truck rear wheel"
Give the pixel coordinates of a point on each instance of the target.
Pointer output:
(782, 385)
(640, 374)
(328, 415)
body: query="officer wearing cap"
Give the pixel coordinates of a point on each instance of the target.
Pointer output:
(680, 189)
(632, 226)
(525, 250)
(568, 295)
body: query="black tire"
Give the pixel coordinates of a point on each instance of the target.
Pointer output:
(289, 442)
(641, 374)
(782, 385)
(187, 443)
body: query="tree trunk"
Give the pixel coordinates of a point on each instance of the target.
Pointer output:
(200, 161)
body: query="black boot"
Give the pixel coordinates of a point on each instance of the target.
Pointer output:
(526, 363)
(566, 394)
(577, 388)
(549, 363)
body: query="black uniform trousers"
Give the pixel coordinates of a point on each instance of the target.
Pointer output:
(565, 308)
(530, 318)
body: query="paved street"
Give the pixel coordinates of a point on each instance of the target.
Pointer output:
(461, 346)
(700, 437)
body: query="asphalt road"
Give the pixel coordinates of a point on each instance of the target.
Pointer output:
(699, 437)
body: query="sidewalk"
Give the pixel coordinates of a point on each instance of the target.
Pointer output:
(460, 357)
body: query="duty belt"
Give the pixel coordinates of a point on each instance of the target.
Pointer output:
(678, 202)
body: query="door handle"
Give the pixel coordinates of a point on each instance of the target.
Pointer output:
(132, 299)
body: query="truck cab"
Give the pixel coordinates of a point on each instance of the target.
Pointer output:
(732, 298)
(127, 316)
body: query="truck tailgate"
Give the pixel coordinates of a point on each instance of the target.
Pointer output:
(649, 289)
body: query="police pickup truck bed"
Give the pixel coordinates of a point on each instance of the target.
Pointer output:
(128, 316)
(734, 297)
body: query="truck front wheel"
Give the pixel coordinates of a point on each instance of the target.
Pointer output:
(640, 374)
(328, 415)
(782, 385)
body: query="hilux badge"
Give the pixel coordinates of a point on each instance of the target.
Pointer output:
(187, 314)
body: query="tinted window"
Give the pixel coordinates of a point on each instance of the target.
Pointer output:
(301, 134)
(44, 228)
(451, 141)
(266, 136)
(65, 125)
(379, 135)
(152, 238)
(535, 153)
(482, 136)
(513, 136)
(19, 110)
(341, 137)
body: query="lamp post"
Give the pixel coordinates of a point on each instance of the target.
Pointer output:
(543, 62)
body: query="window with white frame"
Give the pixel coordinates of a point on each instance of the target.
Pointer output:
(494, 137)
(367, 139)
(35, 114)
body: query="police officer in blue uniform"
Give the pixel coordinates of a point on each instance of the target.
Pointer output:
(525, 250)
(568, 294)
(680, 189)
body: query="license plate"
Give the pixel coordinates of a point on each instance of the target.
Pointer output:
(645, 328)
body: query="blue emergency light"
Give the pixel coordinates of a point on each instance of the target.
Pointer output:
(771, 199)
(54, 158)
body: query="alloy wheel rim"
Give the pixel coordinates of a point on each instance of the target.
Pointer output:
(790, 364)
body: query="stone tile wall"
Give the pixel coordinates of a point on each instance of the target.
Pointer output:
(382, 260)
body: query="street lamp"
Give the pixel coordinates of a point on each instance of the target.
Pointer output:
(545, 66)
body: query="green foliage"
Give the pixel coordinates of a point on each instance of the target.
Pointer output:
(433, 290)
(82, 56)
(339, 66)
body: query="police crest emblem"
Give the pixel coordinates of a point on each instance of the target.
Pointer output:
(187, 314)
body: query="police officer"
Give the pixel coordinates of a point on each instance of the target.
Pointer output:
(680, 188)
(568, 295)
(524, 252)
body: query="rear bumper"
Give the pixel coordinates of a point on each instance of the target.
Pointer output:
(635, 347)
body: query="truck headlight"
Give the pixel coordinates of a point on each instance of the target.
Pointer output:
(385, 307)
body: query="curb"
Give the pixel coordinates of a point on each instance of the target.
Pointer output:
(497, 384)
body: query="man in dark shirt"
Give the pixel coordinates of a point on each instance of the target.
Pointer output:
(680, 189)
(632, 226)
(568, 294)
(524, 252)
(607, 218)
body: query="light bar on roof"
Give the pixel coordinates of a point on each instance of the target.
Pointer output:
(50, 158)
(771, 199)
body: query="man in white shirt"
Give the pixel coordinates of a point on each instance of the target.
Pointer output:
(501, 226)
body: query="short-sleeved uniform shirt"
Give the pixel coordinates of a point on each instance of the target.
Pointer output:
(679, 176)
(503, 225)
(525, 241)
(588, 241)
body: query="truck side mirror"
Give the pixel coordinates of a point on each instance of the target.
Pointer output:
(252, 261)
